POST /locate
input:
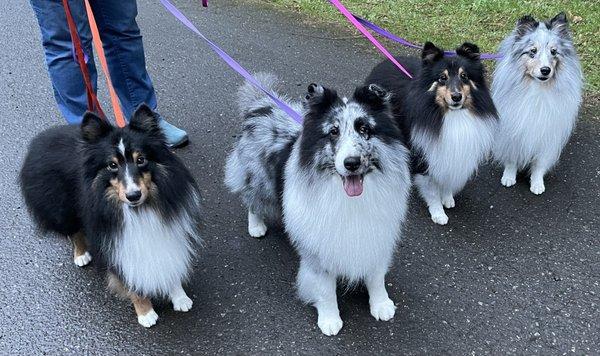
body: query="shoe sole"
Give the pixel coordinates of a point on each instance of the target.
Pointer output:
(183, 142)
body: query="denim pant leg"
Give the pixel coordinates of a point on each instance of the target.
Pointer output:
(67, 80)
(124, 52)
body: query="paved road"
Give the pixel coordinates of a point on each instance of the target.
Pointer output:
(511, 273)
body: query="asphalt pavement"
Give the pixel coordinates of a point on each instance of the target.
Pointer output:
(512, 273)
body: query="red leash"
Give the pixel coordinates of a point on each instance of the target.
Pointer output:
(92, 99)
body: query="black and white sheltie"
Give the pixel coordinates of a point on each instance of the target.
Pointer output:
(341, 180)
(537, 89)
(449, 115)
(122, 194)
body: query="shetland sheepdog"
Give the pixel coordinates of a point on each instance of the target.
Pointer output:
(537, 90)
(449, 116)
(341, 180)
(124, 199)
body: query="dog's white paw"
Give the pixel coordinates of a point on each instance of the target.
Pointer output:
(537, 188)
(384, 310)
(257, 230)
(440, 218)
(448, 202)
(149, 319)
(83, 260)
(330, 326)
(508, 181)
(182, 304)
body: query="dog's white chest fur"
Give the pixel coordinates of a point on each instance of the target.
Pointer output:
(463, 143)
(536, 122)
(348, 237)
(152, 256)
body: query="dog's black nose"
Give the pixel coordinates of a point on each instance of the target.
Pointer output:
(456, 97)
(134, 196)
(545, 70)
(352, 163)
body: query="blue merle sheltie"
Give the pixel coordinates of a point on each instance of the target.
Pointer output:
(537, 89)
(341, 180)
(124, 199)
(448, 113)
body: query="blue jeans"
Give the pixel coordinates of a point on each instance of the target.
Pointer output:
(123, 47)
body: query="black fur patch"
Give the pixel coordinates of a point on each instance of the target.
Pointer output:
(320, 110)
(525, 25)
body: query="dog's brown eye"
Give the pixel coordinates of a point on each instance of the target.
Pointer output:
(553, 51)
(112, 166)
(443, 78)
(463, 76)
(364, 130)
(532, 52)
(334, 131)
(140, 161)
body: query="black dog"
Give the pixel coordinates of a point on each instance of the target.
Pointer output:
(449, 116)
(121, 192)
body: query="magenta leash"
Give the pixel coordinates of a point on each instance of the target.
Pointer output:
(406, 43)
(230, 61)
(368, 35)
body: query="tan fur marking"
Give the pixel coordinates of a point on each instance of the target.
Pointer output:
(141, 305)
(135, 155)
(466, 92)
(79, 244)
(442, 96)
(114, 191)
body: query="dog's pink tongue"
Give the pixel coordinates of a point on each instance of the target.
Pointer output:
(353, 186)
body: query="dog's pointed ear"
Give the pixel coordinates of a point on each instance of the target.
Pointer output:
(560, 24)
(372, 95)
(144, 119)
(313, 91)
(319, 95)
(431, 53)
(559, 19)
(93, 127)
(526, 24)
(469, 51)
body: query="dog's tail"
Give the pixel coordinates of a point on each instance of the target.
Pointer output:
(250, 97)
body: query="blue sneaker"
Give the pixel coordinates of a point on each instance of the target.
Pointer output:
(175, 136)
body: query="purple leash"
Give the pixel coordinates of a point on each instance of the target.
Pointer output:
(230, 61)
(409, 44)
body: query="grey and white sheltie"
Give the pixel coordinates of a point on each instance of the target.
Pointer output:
(449, 114)
(341, 180)
(537, 90)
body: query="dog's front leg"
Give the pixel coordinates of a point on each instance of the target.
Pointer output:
(538, 170)
(382, 307)
(509, 176)
(181, 302)
(318, 287)
(81, 255)
(256, 225)
(430, 192)
(146, 315)
(448, 199)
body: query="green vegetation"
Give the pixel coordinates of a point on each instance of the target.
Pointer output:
(484, 22)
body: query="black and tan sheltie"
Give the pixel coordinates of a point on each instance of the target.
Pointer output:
(448, 113)
(123, 198)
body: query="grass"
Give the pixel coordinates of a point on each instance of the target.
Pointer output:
(484, 22)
